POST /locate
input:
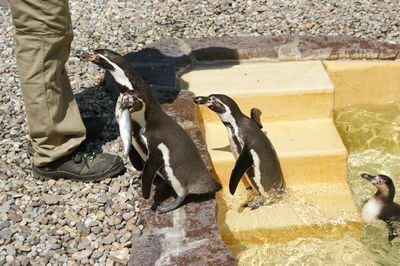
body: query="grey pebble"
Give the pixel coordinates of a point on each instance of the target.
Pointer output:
(4, 224)
(109, 239)
(5, 234)
(50, 199)
(83, 244)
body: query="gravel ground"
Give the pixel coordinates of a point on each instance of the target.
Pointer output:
(64, 222)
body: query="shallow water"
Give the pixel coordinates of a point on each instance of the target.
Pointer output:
(372, 136)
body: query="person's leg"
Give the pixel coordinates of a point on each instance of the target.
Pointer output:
(43, 37)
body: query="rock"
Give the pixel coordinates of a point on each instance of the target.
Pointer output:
(96, 230)
(96, 255)
(50, 199)
(5, 208)
(5, 234)
(9, 258)
(4, 224)
(115, 187)
(127, 216)
(11, 250)
(90, 218)
(25, 248)
(109, 239)
(15, 217)
(23, 260)
(120, 255)
(100, 214)
(82, 254)
(126, 237)
(83, 244)
(109, 211)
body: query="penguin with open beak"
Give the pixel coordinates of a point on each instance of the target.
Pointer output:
(254, 152)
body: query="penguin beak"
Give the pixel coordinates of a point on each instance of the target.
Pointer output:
(94, 58)
(367, 176)
(200, 100)
(91, 57)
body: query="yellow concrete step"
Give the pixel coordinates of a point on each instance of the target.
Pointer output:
(313, 210)
(364, 82)
(310, 151)
(282, 91)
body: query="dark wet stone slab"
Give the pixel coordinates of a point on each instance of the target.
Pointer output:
(346, 47)
(235, 48)
(188, 235)
(290, 48)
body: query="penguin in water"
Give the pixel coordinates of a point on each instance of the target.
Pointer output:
(381, 205)
(159, 144)
(171, 152)
(252, 149)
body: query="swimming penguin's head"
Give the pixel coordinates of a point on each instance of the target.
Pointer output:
(219, 103)
(106, 59)
(383, 183)
(132, 101)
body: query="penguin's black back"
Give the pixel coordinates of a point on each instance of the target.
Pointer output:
(185, 159)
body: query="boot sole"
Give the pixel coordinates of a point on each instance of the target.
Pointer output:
(44, 176)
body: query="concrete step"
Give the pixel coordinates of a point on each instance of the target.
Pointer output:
(282, 91)
(310, 151)
(304, 211)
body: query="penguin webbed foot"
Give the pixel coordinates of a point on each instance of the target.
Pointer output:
(393, 230)
(165, 207)
(261, 200)
(256, 203)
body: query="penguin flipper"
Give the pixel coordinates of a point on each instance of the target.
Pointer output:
(152, 165)
(256, 116)
(244, 162)
(135, 159)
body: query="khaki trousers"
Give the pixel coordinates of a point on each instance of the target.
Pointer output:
(42, 45)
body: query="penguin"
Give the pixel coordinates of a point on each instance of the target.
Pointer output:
(381, 205)
(252, 149)
(171, 152)
(159, 145)
(126, 79)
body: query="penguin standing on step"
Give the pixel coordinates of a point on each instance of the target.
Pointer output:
(171, 152)
(252, 149)
(381, 205)
(158, 141)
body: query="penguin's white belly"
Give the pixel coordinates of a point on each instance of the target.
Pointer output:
(371, 210)
(232, 144)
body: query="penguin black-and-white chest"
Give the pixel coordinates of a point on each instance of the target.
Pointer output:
(235, 141)
(139, 119)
